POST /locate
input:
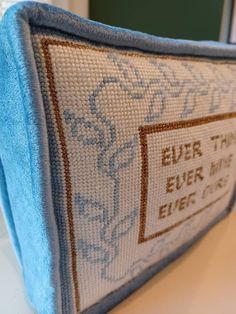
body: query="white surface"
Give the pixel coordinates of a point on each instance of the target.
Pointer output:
(12, 293)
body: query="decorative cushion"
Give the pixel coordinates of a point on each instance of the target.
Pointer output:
(117, 152)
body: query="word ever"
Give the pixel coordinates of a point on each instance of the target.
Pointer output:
(174, 154)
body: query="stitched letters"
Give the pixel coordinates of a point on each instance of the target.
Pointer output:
(186, 167)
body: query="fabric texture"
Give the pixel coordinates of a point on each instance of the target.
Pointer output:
(116, 152)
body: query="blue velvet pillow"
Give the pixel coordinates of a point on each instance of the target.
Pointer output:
(117, 152)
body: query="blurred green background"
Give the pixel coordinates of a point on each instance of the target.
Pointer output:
(188, 19)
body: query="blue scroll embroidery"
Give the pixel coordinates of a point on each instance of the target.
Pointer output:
(111, 160)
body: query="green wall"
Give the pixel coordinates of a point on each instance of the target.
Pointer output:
(189, 19)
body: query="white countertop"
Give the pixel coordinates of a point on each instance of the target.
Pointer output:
(12, 293)
(202, 281)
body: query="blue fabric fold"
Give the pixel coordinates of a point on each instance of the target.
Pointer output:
(25, 178)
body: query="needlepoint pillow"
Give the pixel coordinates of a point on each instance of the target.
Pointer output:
(117, 152)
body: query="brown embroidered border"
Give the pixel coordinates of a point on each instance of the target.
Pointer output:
(68, 185)
(134, 53)
(163, 127)
(45, 42)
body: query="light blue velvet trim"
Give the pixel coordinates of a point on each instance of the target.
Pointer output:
(24, 156)
(24, 141)
(52, 17)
